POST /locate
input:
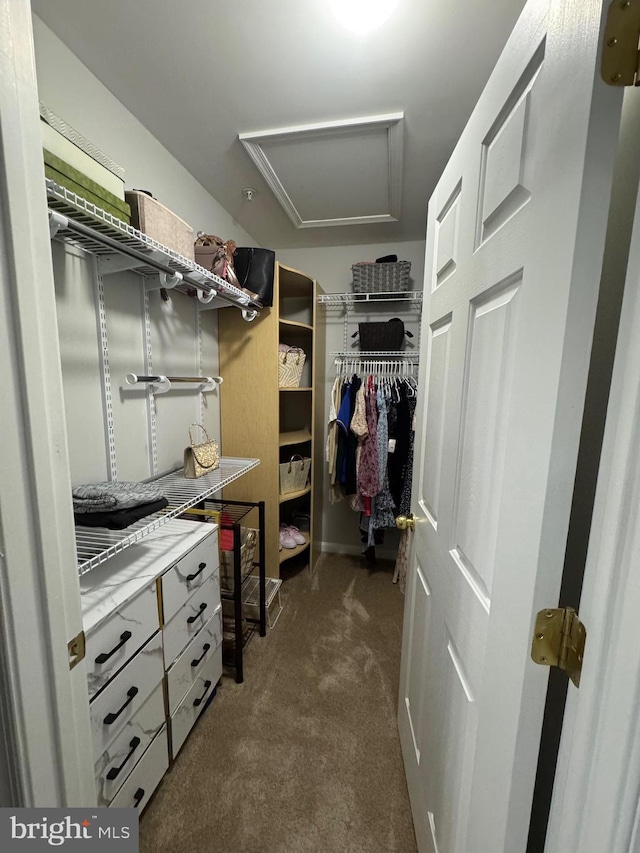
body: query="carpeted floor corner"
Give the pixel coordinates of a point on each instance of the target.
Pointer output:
(303, 757)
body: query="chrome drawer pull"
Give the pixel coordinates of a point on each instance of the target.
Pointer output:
(104, 657)
(205, 649)
(198, 701)
(114, 772)
(111, 717)
(201, 568)
(192, 619)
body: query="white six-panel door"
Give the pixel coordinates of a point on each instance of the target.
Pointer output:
(515, 239)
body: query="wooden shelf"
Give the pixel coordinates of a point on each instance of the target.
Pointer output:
(291, 496)
(293, 324)
(301, 388)
(297, 436)
(287, 553)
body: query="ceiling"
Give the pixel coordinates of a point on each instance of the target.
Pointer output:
(199, 74)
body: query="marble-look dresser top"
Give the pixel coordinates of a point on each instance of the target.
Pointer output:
(107, 587)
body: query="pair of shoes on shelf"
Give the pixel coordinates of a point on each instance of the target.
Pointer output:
(290, 537)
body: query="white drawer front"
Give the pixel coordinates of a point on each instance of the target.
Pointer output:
(187, 667)
(191, 618)
(188, 711)
(114, 766)
(112, 709)
(188, 574)
(114, 641)
(145, 776)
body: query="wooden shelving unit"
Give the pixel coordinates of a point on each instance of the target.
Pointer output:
(275, 422)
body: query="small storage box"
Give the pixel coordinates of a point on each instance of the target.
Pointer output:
(66, 175)
(249, 540)
(158, 222)
(379, 278)
(290, 364)
(294, 475)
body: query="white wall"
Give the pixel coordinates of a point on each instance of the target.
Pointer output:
(332, 269)
(68, 88)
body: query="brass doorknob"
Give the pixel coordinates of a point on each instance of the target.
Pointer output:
(404, 522)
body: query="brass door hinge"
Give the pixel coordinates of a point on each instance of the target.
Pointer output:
(76, 648)
(558, 640)
(620, 55)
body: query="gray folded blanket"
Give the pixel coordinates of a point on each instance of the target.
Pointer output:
(102, 497)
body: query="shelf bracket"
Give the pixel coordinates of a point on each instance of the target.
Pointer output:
(165, 281)
(248, 315)
(56, 222)
(110, 264)
(206, 298)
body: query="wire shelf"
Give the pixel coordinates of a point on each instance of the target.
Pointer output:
(100, 230)
(347, 300)
(95, 545)
(358, 355)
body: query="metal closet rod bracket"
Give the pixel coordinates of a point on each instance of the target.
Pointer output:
(56, 222)
(161, 383)
(165, 280)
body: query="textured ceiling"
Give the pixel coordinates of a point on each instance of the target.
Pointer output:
(198, 73)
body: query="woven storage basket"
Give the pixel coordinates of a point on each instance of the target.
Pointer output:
(249, 540)
(294, 474)
(378, 278)
(290, 364)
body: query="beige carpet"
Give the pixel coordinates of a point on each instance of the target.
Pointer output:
(304, 756)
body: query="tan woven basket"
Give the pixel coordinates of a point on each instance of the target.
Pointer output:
(290, 364)
(294, 475)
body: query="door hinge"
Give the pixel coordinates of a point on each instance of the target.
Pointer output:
(558, 640)
(76, 648)
(620, 55)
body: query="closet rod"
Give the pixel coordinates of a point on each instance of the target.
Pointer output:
(167, 381)
(124, 249)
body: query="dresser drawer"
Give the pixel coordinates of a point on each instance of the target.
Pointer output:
(114, 766)
(145, 776)
(116, 639)
(191, 617)
(184, 671)
(112, 709)
(190, 708)
(188, 574)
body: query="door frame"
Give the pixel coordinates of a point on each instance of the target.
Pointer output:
(594, 805)
(45, 711)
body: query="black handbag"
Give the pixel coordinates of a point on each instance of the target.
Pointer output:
(254, 269)
(382, 337)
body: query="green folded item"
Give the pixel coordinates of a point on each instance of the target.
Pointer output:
(62, 173)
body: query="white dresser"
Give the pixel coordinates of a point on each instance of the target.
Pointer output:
(153, 626)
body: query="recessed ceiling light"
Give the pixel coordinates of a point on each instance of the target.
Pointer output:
(362, 16)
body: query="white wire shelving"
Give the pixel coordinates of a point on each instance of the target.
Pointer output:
(95, 545)
(347, 300)
(120, 247)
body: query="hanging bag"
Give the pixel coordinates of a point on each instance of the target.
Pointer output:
(255, 269)
(200, 459)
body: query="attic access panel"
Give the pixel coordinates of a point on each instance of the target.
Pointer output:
(346, 172)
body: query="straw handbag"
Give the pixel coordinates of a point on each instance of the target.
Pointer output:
(294, 474)
(290, 364)
(201, 458)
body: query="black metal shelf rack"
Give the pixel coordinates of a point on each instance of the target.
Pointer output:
(231, 515)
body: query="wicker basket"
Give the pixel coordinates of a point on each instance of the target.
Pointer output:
(294, 475)
(379, 278)
(249, 540)
(290, 364)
